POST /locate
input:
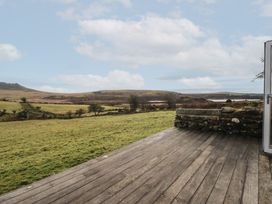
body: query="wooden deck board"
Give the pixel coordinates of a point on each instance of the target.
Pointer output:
(196, 180)
(88, 187)
(174, 166)
(235, 190)
(220, 188)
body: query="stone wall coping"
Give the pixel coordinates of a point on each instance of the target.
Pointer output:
(240, 121)
(194, 111)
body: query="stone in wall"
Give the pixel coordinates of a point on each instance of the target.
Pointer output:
(245, 121)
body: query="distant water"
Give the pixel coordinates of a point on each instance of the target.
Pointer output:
(235, 100)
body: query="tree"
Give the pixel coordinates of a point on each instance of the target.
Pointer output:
(228, 101)
(133, 103)
(80, 112)
(69, 114)
(171, 101)
(95, 108)
(261, 74)
(143, 105)
(23, 100)
(14, 112)
(3, 112)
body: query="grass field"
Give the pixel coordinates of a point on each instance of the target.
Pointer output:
(31, 150)
(53, 108)
(60, 108)
(9, 106)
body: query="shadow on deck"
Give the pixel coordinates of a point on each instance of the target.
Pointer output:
(174, 166)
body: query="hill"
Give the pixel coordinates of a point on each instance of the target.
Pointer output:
(226, 95)
(122, 96)
(13, 92)
(13, 86)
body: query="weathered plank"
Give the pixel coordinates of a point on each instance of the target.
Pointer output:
(152, 188)
(169, 162)
(179, 183)
(192, 185)
(235, 190)
(250, 195)
(265, 180)
(170, 177)
(115, 155)
(61, 189)
(135, 174)
(98, 186)
(204, 190)
(220, 189)
(174, 166)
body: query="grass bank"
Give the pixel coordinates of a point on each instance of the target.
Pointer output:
(31, 150)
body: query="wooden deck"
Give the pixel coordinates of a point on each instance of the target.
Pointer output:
(173, 166)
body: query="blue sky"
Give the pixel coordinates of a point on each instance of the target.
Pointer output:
(179, 45)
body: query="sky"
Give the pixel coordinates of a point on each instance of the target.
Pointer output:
(176, 45)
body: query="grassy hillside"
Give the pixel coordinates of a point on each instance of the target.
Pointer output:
(112, 97)
(13, 86)
(60, 108)
(105, 97)
(226, 95)
(53, 108)
(11, 93)
(31, 150)
(9, 106)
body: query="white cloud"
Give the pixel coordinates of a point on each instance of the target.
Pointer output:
(9, 52)
(68, 14)
(94, 9)
(204, 1)
(113, 80)
(199, 83)
(150, 40)
(265, 6)
(172, 42)
(207, 2)
(65, 1)
(48, 88)
(126, 3)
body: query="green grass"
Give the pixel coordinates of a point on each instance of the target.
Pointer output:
(60, 108)
(53, 108)
(10, 106)
(31, 150)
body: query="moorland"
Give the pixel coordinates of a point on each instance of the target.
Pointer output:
(33, 149)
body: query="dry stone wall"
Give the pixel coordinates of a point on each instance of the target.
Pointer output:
(245, 121)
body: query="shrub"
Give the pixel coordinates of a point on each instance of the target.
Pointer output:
(133, 103)
(69, 114)
(95, 108)
(150, 107)
(80, 112)
(3, 112)
(171, 101)
(228, 101)
(23, 100)
(254, 104)
(23, 114)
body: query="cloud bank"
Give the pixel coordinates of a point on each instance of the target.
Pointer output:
(116, 79)
(172, 42)
(9, 52)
